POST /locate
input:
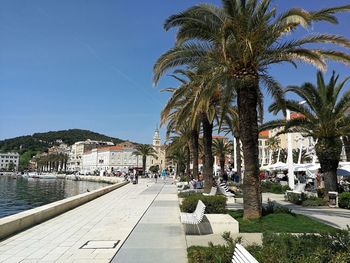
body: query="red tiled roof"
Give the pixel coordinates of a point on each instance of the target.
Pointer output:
(111, 148)
(295, 115)
(264, 134)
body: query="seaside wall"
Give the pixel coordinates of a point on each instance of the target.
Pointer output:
(16, 223)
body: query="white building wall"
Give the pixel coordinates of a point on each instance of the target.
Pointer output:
(7, 158)
(109, 160)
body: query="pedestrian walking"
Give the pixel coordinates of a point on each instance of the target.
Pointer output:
(163, 175)
(156, 177)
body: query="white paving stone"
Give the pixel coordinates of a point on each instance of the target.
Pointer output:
(110, 217)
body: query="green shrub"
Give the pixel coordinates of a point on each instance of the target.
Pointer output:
(321, 192)
(307, 248)
(212, 254)
(272, 208)
(183, 178)
(295, 198)
(314, 201)
(271, 187)
(186, 194)
(214, 204)
(344, 200)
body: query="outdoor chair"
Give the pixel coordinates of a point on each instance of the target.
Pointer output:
(241, 255)
(223, 188)
(194, 218)
(212, 191)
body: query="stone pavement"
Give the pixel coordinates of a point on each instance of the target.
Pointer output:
(335, 217)
(159, 236)
(102, 221)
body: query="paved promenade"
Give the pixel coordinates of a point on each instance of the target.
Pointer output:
(90, 233)
(159, 236)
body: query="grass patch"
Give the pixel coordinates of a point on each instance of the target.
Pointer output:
(280, 223)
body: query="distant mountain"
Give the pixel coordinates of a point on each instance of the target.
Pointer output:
(30, 145)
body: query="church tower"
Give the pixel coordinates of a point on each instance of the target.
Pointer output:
(156, 138)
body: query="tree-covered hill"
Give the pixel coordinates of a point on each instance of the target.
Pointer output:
(30, 145)
(41, 141)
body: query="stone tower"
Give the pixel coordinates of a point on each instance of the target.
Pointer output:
(156, 139)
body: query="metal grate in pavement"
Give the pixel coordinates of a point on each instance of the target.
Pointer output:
(100, 244)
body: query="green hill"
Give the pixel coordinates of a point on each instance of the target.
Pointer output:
(30, 145)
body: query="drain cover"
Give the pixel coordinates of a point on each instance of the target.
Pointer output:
(100, 244)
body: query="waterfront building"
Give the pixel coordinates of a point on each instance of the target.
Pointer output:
(77, 151)
(110, 159)
(7, 158)
(263, 148)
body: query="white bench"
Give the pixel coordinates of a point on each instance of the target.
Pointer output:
(212, 191)
(241, 255)
(194, 218)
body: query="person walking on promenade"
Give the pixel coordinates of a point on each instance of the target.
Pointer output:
(164, 175)
(156, 176)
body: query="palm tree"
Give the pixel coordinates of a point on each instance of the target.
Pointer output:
(323, 118)
(222, 148)
(178, 114)
(144, 150)
(230, 124)
(180, 141)
(185, 107)
(273, 144)
(238, 42)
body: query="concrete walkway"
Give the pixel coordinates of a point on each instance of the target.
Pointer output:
(94, 232)
(335, 217)
(159, 236)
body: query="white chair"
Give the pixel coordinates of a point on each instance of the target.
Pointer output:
(212, 191)
(194, 218)
(241, 255)
(223, 188)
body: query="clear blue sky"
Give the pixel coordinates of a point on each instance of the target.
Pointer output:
(88, 64)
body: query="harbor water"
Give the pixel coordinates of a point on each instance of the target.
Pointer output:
(20, 194)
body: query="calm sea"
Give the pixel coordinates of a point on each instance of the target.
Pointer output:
(17, 195)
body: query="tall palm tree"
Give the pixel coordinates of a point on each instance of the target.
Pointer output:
(177, 112)
(185, 106)
(323, 118)
(238, 42)
(222, 148)
(230, 124)
(144, 150)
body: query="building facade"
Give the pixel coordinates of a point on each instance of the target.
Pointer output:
(110, 159)
(77, 151)
(8, 161)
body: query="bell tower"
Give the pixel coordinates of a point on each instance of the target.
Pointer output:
(156, 138)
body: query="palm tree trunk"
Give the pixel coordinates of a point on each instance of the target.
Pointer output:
(238, 158)
(328, 152)
(144, 158)
(248, 127)
(195, 152)
(222, 164)
(188, 161)
(208, 154)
